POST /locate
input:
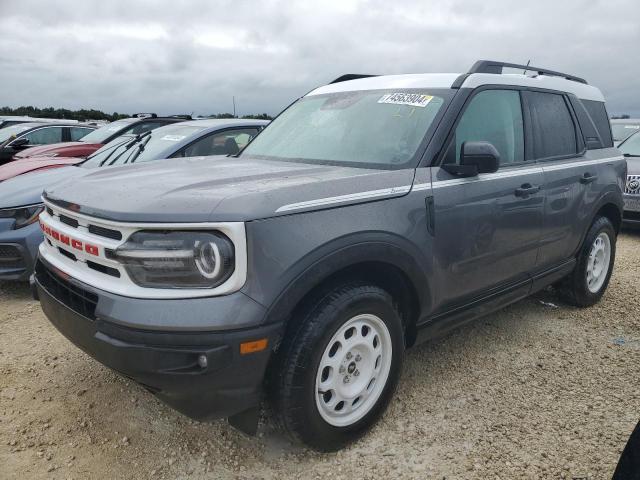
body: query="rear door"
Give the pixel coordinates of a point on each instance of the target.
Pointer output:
(570, 176)
(487, 227)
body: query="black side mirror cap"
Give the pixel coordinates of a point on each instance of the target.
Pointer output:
(475, 158)
(20, 142)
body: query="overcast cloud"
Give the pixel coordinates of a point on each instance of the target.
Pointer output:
(193, 56)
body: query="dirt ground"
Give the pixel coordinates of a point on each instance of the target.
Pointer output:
(539, 390)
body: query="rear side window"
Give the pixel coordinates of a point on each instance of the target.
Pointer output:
(554, 133)
(45, 136)
(493, 116)
(78, 132)
(598, 114)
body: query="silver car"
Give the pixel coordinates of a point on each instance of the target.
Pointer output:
(623, 128)
(631, 150)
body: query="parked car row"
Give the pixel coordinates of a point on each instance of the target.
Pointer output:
(372, 214)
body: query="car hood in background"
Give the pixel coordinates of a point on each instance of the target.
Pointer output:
(633, 165)
(27, 189)
(64, 149)
(25, 165)
(207, 189)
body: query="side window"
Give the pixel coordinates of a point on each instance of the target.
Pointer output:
(493, 116)
(45, 136)
(78, 132)
(228, 142)
(554, 133)
(598, 114)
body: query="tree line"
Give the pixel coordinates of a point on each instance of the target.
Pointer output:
(83, 115)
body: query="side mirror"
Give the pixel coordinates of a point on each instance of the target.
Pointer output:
(20, 142)
(475, 158)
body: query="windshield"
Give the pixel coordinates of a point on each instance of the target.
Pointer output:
(143, 147)
(623, 130)
(13, 131)
(631, 147)
(101, 134)
(371, 129)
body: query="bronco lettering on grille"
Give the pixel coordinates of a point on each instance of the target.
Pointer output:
(67, 240)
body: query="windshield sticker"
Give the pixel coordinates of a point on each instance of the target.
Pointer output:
(173, 138)
(635, 127)
(411, 99)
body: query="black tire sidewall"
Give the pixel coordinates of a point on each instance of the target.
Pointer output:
(329, 316)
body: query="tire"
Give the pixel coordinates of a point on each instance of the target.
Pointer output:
(336, 340)
(580, 288)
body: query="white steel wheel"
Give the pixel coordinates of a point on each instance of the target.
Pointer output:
(353, 370)
(598, 262)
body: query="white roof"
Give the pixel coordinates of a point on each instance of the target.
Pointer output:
(445, 80)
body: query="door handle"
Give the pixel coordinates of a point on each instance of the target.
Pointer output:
(527, 189)
(588, 178)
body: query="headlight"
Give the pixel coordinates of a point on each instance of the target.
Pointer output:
(177, 259)
(23, 216)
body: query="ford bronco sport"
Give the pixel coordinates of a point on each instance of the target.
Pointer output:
(372, 214)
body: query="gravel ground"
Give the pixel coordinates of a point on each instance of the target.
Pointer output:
(539, 390)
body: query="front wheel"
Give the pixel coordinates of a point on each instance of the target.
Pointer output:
(340, 369)
(587, 283)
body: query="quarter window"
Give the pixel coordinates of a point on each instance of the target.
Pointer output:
(554, 132)
(78, 132)
(493, 116)
(45, 136)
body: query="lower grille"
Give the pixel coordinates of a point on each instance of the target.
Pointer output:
(10, 257)
(76, 298)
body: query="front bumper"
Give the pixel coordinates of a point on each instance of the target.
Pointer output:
(631, 218)
(18, 251)
(165, 362)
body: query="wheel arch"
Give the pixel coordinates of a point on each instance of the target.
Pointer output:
(388, 265)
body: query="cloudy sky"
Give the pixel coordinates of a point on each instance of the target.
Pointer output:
(192, 56)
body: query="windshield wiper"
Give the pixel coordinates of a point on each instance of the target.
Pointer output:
(629, 155)
(126, 148)
(138, 151)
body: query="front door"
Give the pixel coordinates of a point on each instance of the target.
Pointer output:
(487, 227)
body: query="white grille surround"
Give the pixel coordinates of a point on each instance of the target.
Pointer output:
(632, 187)
(89, 248)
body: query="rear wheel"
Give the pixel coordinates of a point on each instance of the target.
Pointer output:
(589, 280)
(341, 367)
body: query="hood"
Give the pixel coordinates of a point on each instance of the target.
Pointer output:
(19, 167)
(27, 189)
(64, 149)
(204, 189)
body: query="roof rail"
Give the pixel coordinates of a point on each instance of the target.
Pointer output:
(184, 116)
(351, 76)
(145, 115)
(490, 66)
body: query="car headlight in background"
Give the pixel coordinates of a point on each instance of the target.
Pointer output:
(23, 216)
(171, 259)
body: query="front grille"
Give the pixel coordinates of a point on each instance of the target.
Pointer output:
(76, 298)
(10, 257)
(105, 232)
(632, 186)
(72, 222)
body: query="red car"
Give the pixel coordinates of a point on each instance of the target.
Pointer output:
(96, 139)
(13, 169)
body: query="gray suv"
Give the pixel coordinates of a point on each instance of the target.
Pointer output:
(374, 213)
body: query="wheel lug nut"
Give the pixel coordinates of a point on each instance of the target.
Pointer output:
(358, 357)
(349, 355)
(346, 379)
(356, 373)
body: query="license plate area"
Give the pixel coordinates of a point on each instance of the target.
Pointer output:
(632, 204)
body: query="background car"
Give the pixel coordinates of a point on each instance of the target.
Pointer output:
(18, 137)
(85, 146)
(21, 197)
(631, 150)
(622, 128)
(194, 138)
(8, 120)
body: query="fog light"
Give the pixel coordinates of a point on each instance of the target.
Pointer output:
(202, 361)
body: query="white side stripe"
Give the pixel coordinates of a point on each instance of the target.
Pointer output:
(345, 198)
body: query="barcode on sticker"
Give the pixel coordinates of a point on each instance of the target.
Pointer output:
(411, 99)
